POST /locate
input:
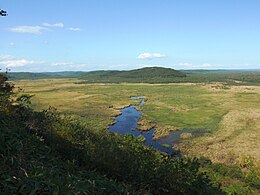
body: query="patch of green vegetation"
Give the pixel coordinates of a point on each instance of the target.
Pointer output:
(233, 77)
(43, 75)
(233, 179)
(183, 107)
(180, 106)
(228, 114)
(147, 75)
(154, 75)
(30, 166)
(50, 153)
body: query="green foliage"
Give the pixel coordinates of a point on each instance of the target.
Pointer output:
(44, 75)
(138, 75)
(253, 177)
(126, 159)
(153, 75)
(232, 178)
(237, 189)
(6, 92)
(143, 73)
(24, 100)
(246, 161)
(46, 152)
(30, 166)
(200, 108)
(234, 77)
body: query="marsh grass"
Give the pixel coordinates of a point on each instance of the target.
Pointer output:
(226, 119)
(221, 113)
(145, 125)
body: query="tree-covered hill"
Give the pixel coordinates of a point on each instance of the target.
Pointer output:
(143, 75)
(150, 75)
(112, 75)
(149, 72)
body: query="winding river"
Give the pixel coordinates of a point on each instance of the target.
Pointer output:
(126, 123)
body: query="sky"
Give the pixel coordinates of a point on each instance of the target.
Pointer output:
(86, 35)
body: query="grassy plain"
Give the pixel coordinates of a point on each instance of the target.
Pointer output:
(223, 120)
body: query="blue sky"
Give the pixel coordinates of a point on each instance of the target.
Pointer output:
(58, 35)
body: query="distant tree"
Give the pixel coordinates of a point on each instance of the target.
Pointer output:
(3, 13)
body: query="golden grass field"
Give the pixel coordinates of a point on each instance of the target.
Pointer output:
(228, 117)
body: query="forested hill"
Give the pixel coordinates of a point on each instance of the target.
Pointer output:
(145, 75)
(113, 75)
(149, 72)
(150, 75)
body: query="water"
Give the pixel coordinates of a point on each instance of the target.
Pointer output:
(138, 98)
(126, 123)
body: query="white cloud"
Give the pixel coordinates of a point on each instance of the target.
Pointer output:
(74, 29)
(16, 63)
(34, 29)
(9, 61)
(28, 29)
(150, 56)
(61, 25)
(6, 57)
